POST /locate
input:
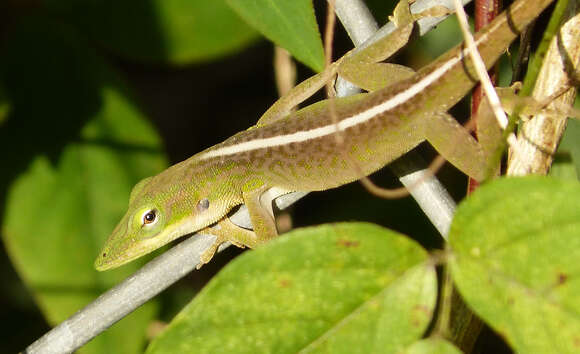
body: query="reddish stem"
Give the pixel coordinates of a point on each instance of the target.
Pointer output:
(485, 12)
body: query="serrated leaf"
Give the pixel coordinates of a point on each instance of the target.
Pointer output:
(515, 261)
(167, 31)
(72, 148)
(333, 288)
(290, 24)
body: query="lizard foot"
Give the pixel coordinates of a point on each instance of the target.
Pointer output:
(225, 230)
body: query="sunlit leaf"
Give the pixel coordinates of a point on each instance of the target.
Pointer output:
(432, 346)
(515, 261)
(322, 289)
(288, 23)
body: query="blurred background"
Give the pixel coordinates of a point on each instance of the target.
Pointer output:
(94, 96)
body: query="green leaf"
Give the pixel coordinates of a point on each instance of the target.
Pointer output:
(569, 149)
(332, 288)
(77, 145)
(288, 23)
(168, 31)
(515, 261)
(432, 346)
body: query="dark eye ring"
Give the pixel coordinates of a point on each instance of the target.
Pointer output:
(203, 204)
(150, 217)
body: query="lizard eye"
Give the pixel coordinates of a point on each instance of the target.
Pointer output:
(203, 205)
(149, 217)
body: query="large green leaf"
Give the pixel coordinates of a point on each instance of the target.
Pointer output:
(288, 23)
(174, 31)
(334, 288)
(73, 146)
(432, 346)
(516, 248)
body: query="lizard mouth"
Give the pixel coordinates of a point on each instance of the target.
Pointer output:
(106, 261)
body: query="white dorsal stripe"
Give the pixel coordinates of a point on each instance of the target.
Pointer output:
(359, 118)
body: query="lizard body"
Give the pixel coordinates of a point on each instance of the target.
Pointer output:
(299, 152)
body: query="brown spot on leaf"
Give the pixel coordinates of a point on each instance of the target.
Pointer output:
(348, 243)
(424, 309)
(562, 278)
(285, 283)
(420, 314)
(104, 255)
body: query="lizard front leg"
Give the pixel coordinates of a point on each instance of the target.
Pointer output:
(226, 231)
(259, 204)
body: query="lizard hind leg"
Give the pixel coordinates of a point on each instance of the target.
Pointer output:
(456, 145)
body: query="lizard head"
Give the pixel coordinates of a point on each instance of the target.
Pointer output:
(159, 212)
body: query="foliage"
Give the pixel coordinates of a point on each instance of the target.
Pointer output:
(82, 120)
(333, 288)
(514, 250)
(320, 289)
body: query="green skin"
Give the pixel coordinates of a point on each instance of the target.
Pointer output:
(200, 191)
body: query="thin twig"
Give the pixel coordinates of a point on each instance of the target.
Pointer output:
(284, 70)
(485, 12)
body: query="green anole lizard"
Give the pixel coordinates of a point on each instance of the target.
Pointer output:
(298, 152)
